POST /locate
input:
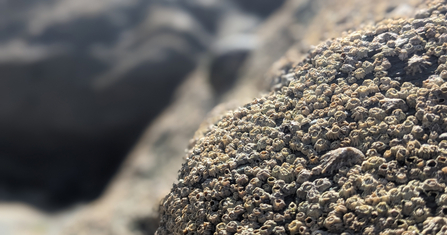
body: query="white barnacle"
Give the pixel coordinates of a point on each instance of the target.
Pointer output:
(416, 62)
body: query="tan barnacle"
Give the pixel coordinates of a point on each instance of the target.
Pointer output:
(432, 185)
(321, 145)
(441, 200)
(377, 113)
(430, 167)
(363, 210)
(379, 146)
(322, 184)
(333, 133)
(401, 176)
(359, 113)
(427, 151)
(401, 153)
(417, 132)
(301, 192)
(382, 209)
(395, 196)
(294, 227)
(353, 103)
(278, 204)
(359, 73)
(374, 130)
(372, 163)
(416, 64)
(399, 114)
(353, 202)
(392, 93)
(278, 144)
(306, 139)
(442, 211)
(403, 54)
(314, 210)
(420, 214)
(256, 182)
(442, 159)
(347, 190)
(286, 173)
(312, 195)
(368, 184)
(333, 224)
(429, 119)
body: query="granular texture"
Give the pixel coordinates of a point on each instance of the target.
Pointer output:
(353, 141)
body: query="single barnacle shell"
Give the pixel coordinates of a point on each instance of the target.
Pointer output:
(401, 176)
(432, 185)
(372, 163)
(333, 133)
(278, 204)
(333, 224)
(442, 159)
(294, 227)
(353, 103)
(395, 196)
(420, 214)
(303, 189)
(359, 113)
(340, 116)
(379, 146)
(322, 145)
(402, 153)
(322, 184)
(312, 195)
(353, 202)
(382, 208)
(314, 210)
(377, 113)
(363, 210)
(407, 207)
(391, 120)
(368, 184)
(416, 64)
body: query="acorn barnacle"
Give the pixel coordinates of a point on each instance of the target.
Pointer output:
(416, 64)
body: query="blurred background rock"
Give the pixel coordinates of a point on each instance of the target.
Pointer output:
(99, 99)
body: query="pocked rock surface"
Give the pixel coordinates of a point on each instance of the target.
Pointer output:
(354, 141)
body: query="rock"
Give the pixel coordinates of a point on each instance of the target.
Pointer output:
(383, 172)
(125, 51)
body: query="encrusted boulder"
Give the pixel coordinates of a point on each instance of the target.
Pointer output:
(352, 142)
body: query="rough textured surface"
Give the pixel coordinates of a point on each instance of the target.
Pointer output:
(168, 136)
(352, 140)
(130, 203)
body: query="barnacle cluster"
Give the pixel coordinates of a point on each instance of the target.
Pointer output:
(354, 142)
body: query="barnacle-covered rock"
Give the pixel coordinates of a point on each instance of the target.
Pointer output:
(354, 143)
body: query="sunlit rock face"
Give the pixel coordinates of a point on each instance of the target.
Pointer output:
(352, 141)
